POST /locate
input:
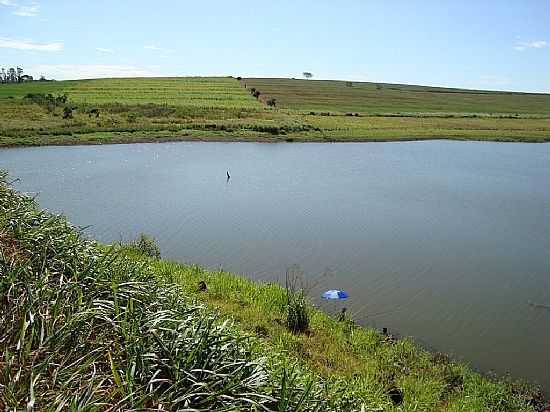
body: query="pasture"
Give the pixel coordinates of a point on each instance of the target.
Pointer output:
(224, 108)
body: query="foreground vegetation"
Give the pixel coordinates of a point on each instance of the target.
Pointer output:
(89, 327)
(162, 109)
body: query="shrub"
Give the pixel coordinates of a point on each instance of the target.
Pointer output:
(47, 99)
(67, 112)
(147, 245)
(94, 112)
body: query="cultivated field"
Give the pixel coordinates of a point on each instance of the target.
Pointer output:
(177, 91)
(223, 108)
(374, 98)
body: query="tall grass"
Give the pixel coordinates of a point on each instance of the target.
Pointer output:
(84, 328)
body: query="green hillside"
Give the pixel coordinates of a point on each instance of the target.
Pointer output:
(224, 108)
(342, 96)
(175, 91)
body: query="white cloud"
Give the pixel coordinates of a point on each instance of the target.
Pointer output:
(160, 49)
(88, 71)
(523, 45)
(8, 43)
(104, 50)
(27, 11)
(23, 10)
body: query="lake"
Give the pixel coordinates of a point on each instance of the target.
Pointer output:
(447, 242)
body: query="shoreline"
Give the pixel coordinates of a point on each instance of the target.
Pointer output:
(113, 139)
(358, 363)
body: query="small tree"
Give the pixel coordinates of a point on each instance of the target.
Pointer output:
(307, 75)
(349, 84)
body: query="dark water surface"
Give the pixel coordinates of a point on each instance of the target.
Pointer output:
(443, 241)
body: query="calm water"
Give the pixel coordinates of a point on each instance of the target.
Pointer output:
(443, 241)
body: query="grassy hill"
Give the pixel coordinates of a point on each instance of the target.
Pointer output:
(223, 108)
(213, 92)
(371, 98)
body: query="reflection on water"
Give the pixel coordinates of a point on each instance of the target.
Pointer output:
(445, 241)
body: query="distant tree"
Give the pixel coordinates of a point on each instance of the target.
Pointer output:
(349, 84)
(307, 75)
(42, 78)
(12, 75)
(19, 74)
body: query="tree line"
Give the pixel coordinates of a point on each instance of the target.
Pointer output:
(16, 75)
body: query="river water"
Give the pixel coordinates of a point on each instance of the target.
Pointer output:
(447, 242)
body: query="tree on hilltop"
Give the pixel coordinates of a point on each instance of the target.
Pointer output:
(307, 75)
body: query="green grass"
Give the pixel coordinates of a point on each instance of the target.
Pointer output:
(209, 92)
(222, 108)
(360, 359)
(368, 98)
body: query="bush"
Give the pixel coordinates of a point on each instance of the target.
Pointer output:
(94, 112)
(147, 245)
(47, 99)
(67, 112)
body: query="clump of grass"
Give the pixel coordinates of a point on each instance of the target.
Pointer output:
(297, 316)
(296, 305)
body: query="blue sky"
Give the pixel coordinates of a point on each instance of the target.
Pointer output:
(475, 44)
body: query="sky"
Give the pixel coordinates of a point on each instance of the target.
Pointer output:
(488, 44)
